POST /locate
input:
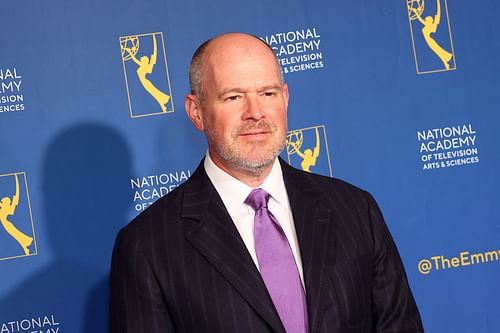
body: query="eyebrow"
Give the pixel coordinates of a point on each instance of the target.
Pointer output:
(242, 90)
(271, 87)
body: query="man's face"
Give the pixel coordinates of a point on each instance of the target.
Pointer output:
(244, 105)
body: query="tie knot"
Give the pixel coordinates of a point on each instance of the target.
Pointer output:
(257, 199)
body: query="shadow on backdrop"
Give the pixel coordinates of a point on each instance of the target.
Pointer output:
(86, 174)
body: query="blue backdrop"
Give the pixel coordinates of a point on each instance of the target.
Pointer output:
(399, 97)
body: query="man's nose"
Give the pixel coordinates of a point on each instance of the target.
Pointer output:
(253, 108)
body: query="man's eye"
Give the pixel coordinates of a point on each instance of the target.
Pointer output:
(233, 98)
(270, 93)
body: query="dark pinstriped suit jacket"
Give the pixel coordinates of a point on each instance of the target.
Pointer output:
(181, 266)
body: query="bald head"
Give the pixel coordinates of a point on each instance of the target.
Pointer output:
(226, 46)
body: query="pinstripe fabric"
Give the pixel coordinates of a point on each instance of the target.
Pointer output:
(181, 266)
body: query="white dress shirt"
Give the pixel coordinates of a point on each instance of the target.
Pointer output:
(233, 194)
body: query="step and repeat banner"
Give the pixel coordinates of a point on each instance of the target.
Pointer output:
(400, 97)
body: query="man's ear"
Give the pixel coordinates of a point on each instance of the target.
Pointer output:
(285, 94)
(193, 110)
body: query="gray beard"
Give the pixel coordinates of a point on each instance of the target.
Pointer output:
(238, 160)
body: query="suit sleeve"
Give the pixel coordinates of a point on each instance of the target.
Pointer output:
(136, 301)
(394, 308)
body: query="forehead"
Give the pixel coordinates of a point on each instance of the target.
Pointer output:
(240, 61)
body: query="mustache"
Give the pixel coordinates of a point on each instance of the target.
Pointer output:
(263, 125)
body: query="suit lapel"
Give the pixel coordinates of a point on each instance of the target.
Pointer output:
(218, 240)
(315, 232)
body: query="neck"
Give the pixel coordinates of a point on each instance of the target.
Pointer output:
(253, 177)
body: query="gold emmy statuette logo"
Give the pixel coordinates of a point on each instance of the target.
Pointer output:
(146, 74)
(307, 149)
(18, 236)
(431, 36)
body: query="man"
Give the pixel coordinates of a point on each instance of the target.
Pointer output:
(200, 260)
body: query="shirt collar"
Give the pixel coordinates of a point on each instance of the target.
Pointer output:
(233, 192)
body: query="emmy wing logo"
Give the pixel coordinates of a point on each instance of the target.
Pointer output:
(431, 35)
(17, 234)
(146, 74)
(307, 149)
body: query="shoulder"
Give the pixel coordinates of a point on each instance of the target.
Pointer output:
(323, 189)
(165, 210)
(166, 213)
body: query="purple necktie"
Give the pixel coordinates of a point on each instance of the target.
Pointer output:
(277, 265)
